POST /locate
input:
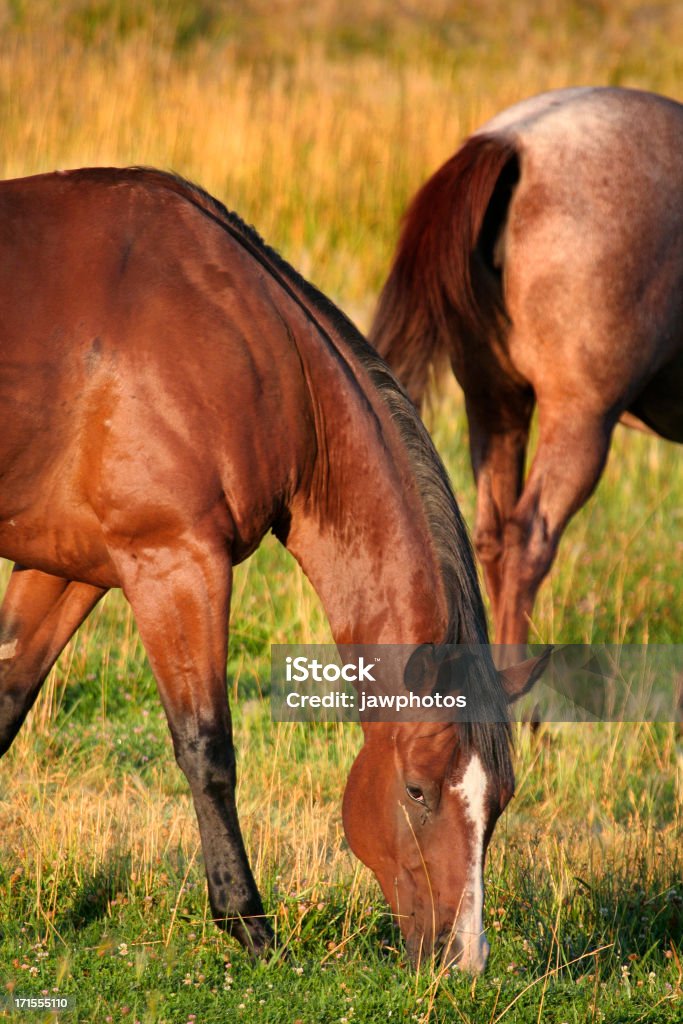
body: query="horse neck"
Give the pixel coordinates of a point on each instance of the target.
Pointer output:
(357, 524)
(376, 576)
(359, 530)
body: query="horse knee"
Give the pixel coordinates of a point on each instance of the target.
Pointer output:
(529, 549)
(208, 761)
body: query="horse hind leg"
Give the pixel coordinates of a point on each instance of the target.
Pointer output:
(181, 606)
(39, 615)
(498, 450)
(569, 459)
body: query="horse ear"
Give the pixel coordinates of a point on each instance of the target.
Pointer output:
(424, 665)
(421, 668)
(431, 668)
(518, 679)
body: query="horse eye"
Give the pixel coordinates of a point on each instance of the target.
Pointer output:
(416, 794)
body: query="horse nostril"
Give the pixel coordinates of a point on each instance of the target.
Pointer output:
(450, 948)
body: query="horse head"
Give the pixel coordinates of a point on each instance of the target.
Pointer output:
(422, 801)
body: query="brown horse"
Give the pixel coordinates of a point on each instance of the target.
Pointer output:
(545, 261)
(170, 390)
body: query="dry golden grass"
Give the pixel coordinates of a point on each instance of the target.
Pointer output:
(313, 121)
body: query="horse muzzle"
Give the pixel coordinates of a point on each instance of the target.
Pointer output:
(468, 951)
(465, 951)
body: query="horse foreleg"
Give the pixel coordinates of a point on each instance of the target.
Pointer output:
(569, 459)
(181, 606)
(498, 465)
(39, 615)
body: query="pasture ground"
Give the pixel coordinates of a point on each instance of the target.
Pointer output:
(316, 124)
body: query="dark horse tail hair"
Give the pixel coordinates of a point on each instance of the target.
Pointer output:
(445, 283)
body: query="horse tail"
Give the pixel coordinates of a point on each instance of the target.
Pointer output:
(444, 288)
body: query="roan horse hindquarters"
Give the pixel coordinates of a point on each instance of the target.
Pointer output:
(545, 261)
(171, 390)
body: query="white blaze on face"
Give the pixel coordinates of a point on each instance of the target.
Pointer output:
(470, 927)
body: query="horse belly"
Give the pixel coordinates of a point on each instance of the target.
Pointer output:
(58, 541)
(53, 530)
(46, 520)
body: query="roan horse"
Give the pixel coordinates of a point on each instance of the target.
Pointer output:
(170, 390)
(545, 261)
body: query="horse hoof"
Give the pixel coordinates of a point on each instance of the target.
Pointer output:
(255, 934)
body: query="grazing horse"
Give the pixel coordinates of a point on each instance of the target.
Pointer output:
(545, 261)
(170, 391)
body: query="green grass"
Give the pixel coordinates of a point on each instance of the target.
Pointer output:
(316, 122)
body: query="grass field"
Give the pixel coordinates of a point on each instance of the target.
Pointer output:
(316, 124)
